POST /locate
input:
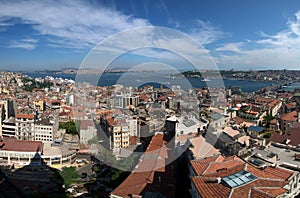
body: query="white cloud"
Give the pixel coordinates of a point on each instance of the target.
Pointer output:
(279, 50)
(82, 25)
(71, 23)
(206, 33)
(28, 44)
(232, 47)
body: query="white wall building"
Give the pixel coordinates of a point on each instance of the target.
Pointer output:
(87, 131)
(43, 133)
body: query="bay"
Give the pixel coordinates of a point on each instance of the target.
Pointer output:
(137, 79)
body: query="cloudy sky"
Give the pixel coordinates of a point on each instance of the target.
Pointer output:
(237, 34)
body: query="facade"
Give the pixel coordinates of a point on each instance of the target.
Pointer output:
(25, 127)
(274, 107)
(123, 101)
(39, 105)
(43, 133)
(20, 152)
(121, 136)
(252, 116)
(8, 127)
(133, 127)
(87, 131)
(288, 119)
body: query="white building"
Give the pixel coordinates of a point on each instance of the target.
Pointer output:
(25, 127)
(133, 127)
(87, 131)
(43, 133)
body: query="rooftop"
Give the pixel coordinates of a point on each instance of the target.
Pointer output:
(12, 144)
(149, 172)
(292, 116)
(232, 177)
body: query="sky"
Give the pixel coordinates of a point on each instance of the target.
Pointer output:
(231, 34)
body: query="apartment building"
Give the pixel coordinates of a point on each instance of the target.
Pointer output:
(43, 133)
(25, 127)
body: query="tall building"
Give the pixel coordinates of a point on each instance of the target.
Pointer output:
(25, 127)
(120, 136)
(123, 101)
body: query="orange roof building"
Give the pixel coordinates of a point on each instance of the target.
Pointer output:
(218, 176)
(151, 175)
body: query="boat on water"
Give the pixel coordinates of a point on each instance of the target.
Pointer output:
(205, 80)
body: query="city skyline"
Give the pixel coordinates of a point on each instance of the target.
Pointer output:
(240, 35)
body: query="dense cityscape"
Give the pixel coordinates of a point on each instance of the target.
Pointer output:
(149, 99)
(62, 138)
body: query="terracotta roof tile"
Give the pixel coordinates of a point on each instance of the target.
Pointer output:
(273, 191)
(199, 167)
(269, 183)
(210, 189)
(254, 193)
(12, 144)
(27, 116)
(151, 169)
(243, 191)
(292, 116)
(215, 167)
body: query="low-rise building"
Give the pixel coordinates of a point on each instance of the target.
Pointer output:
(287, 119)
(18, 152)
(218, 176)
(43, 132)
(87, 131)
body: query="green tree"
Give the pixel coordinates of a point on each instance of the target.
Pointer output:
(267, 135)
(267, 119)
(69, 175)
(69, 126)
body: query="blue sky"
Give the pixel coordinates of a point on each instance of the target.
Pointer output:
(237, 34)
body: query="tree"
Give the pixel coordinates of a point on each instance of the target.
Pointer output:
(267, 120)
(69, 126)
(69, 174)
(267, 135)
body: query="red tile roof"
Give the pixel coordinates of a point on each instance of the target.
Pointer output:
(208, 189)
(150, 172)
(291, 105)
(243, 191)
(275, 191)
(292, 116)
(27, 116)
(84, 124)
(292, 134)
(12, 144)
(270, 181)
